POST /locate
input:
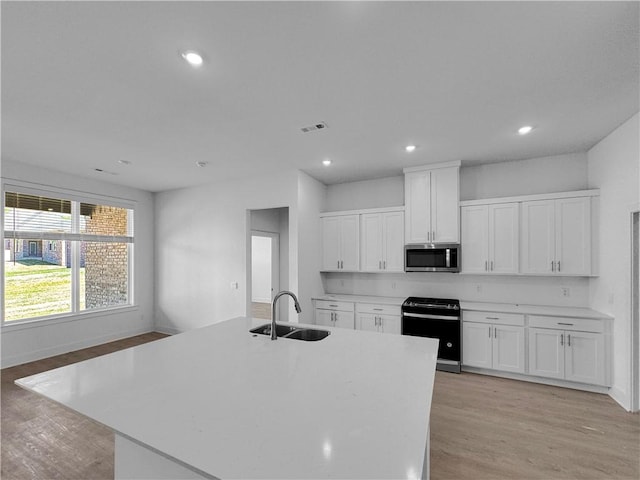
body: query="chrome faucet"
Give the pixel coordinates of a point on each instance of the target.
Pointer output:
(273, 310)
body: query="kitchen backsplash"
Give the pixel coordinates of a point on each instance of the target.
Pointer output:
(558, 291)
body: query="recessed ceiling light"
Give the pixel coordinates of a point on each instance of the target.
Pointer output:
(202, 164)
(326, 162)
(194, 58)
(524, 130)
(124, 162)
(410, 148)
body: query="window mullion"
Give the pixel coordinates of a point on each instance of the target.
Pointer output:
(75, 258)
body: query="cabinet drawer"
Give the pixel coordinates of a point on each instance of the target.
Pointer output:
(377, 309)
(567, 323)
(335, 305)
(493, 317)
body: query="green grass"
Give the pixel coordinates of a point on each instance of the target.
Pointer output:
(34, 288)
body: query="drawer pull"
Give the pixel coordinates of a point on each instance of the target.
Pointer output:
(491, 318)
(570, 324)
(333, 305)
(377, 309)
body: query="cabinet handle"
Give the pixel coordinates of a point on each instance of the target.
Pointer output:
(495, 332)
(377, 309)
(562, 339)
(433, 236)
(379, 264)
(341, 264)
(486, 266)
(338, 266)
(570, 324)
(331, 305)
(491, 318)
(428, 236)
(489, 331)
(552, 267)
(384, 264)
(558, 265)
(492, 265)
(568, 339)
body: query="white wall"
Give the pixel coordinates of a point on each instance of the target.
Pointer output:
(382, 192)
(202, 236)
(27, 342)
(312, 198)
(560, 173)
(614, 165)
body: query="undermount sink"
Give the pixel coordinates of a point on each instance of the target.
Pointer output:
(295, 333)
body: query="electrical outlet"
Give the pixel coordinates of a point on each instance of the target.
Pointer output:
(566, 292)
(234, 285)
(393, 285)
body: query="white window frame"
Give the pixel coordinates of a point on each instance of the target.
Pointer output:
(76, 237)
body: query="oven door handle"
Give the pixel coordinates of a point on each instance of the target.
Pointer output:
(432, 317)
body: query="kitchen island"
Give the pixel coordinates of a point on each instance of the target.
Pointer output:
(221, 402)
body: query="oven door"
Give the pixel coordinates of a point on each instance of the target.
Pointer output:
(446, 329)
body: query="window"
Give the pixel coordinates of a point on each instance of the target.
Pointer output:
(70, 255)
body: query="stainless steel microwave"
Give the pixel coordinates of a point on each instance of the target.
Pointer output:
(429, 257)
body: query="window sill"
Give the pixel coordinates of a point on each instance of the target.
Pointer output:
(65, 318)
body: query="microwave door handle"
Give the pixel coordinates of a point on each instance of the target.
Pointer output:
(448, 257)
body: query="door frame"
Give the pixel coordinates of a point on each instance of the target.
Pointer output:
(634, 330)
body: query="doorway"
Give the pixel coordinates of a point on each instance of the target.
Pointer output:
(265, 272)
(267, 261)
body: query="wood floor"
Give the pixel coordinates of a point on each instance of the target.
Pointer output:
(481, 428)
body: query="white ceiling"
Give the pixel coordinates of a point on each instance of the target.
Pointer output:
(85, 84)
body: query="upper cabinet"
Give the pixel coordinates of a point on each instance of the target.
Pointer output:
(341, 243)
(431, 204)
(556, 236)
(546, 234)
(382, 242)
(490, 238)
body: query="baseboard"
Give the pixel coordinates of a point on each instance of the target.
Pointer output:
(27, 357)
(544, 381)
(166, 330)
(621, 398)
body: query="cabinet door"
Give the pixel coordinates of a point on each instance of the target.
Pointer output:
(324, 317)
(445, 213)
(475, 239)
(372, 242)
(331, 243)
(585, 357)
(546, 352)
(344, 320)
(393, 241)
(367, 322)
(538, 237)
(573, 236)
(504, 225)
(350, 243)
(417, 192)
(389, 324)
(476, 344)
(508, 348)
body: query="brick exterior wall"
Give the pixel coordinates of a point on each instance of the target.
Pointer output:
(106, 265)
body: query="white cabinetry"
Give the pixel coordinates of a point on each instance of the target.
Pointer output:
(568, 348)
(493, 341)
(431, 204)
(556, 236)
(490, 238)
(334, 314)
(378, 318)
(341, 243)
(382, 242)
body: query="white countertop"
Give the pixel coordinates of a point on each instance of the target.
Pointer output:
(573, 312)
(547, 310)
(233, 405)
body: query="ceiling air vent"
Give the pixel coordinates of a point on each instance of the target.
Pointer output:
(314, 127)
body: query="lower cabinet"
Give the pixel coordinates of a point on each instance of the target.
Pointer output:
(568, 355)
(334, 314)
(378, 318)
(493, 346)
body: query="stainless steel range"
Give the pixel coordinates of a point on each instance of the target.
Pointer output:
(435, 318)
